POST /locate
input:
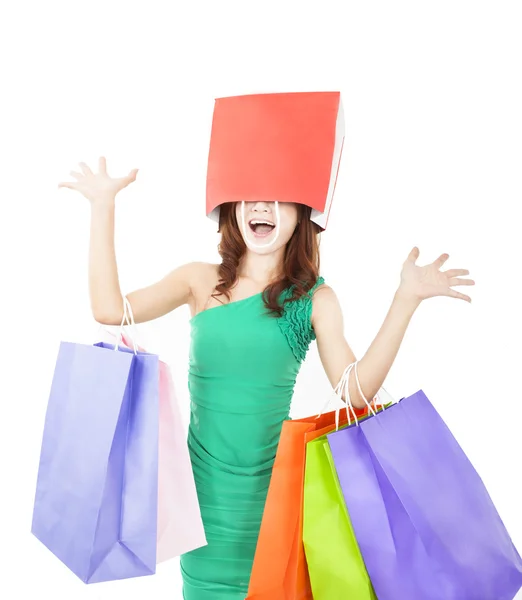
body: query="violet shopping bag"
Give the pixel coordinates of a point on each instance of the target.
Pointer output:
(425, 523)
(180, 526)
(96, 497)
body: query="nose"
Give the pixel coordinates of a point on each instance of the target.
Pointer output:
(262, 206)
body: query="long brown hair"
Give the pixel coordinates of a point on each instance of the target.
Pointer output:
(301, 261)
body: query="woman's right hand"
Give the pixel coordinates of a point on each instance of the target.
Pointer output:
(98, 187)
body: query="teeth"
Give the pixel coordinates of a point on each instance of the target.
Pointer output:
(256, 222)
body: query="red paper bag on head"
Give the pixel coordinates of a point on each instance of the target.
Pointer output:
(267, 147)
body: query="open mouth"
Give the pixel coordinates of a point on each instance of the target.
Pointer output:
(261, 228)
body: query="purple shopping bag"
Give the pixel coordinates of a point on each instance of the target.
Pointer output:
(97, 489)
(425, 523)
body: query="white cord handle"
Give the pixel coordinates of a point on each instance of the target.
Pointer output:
(338, 391)
(347, 393)
(131, 315)
(128, 318)
(381, 404)
(245, 235)
(343, 386)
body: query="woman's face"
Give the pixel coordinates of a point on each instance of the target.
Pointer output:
(260, 221)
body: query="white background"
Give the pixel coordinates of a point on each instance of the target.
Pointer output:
(432, 96)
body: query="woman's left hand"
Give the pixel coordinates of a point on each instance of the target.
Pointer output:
(420, 283)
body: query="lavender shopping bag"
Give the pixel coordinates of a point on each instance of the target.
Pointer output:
(180, 526)
(97, 489)
(425, 523)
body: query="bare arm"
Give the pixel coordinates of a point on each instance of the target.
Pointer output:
(147, 303)
(104, 287)
(336, 354)
(417, 284)
(162, 297)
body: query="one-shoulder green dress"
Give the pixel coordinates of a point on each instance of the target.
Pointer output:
(243, 365)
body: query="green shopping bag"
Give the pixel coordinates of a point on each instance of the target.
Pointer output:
(335, 564)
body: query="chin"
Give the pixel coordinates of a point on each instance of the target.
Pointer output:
(264, 251)
(260, 242)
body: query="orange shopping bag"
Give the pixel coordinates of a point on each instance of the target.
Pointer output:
(279, 571)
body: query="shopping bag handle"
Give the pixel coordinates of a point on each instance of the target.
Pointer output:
(345, 380)
(346, 403)
(343, 386)
(381, 404)
(128, 319)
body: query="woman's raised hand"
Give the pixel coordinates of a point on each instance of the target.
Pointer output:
(100, 186)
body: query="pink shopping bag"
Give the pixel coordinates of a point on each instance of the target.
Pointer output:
(180, 527)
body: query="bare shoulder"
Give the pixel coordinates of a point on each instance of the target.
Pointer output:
(183, 285)
(326, 307)
(203, 275)
(203, 279)
(323, 294)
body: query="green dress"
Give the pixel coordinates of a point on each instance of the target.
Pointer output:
(243, 366)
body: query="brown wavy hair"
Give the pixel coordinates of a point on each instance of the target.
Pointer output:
(301, 261)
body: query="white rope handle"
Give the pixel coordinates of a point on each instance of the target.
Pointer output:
(343, 386)
(345, 379)
(347, 393)
(128, 318)
(334, 392)
(245, 236)
(131, 315)
(366, 401)
(381, 404)
(338, 391)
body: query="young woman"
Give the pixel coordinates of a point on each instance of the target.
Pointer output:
(253, 318)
